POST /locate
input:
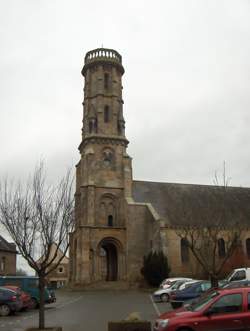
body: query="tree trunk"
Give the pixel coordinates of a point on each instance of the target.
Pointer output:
(214, 281)
(41, 303)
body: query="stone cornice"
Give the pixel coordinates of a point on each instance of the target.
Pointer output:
(103, 61)
(103, 139)
(102, 227)
(101, 186)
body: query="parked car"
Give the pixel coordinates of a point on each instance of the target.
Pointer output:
(221, 309)
(241, 283)
(163, 294)
(28, 284)
(9, 301)
(170, 281)
(189, 293)
(25, 297)
(185, 285)
(238, 274)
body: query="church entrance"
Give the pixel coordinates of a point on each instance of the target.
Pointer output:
(109, 260)
(110, 266)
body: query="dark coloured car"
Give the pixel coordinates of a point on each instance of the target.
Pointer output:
(25, 297)
(9, 301)
(188, 294)
(30, 285)
(219, 310)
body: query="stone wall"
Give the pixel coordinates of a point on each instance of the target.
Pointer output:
(192, 267)
(140, 235)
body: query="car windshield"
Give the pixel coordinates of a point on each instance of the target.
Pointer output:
(229, 276)
(177, 285)
(203, 301)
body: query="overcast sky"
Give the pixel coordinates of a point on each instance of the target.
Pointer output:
(186, 84)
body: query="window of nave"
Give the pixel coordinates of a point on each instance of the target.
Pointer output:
(184, 251)
(221, 248)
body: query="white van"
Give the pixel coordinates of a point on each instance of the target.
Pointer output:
(239, 274)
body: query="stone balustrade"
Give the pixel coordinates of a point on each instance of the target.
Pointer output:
(103, 54)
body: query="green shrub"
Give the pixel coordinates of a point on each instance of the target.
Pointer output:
(155, 268)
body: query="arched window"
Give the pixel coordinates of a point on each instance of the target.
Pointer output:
(184, 250)
(221, 248)
(106, 80)
(110, 220)
(248, 247)
(106, 114)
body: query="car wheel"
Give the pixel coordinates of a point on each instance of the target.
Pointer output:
(33, 303)
(165, 297)
(4, 310)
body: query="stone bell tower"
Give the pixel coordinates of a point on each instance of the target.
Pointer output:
(103, 175)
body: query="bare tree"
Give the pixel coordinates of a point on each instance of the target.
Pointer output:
(38, 215)
(213, 234)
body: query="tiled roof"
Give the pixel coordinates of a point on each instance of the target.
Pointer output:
(6, 246)
(179, 204)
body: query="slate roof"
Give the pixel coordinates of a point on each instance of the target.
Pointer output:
(182, 204)
(6, 246)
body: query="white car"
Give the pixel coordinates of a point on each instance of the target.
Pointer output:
(163, 293)
(168, 282)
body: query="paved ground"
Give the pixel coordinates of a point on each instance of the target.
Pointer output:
(84, 310)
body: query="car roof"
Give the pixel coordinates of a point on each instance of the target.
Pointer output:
(175, 278)
(19, 277)
(233, 290)
(6, 289)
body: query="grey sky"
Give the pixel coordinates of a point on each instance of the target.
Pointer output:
(186, 84)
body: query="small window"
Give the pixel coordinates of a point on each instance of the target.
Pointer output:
(106, 114)
(106, 80)
(60, 270)
(221, 248)
(110, 220)
(248, 247)
(231, 303)
(184, 250)
(90, 127)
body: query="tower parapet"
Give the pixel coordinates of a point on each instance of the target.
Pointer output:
(103, 56)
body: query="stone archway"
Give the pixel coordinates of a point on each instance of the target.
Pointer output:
(110, 262)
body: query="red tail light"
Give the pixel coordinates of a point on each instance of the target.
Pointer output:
(13, 298)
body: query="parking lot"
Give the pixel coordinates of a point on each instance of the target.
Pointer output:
(88, 310)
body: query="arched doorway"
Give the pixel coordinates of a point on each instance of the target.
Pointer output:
(109, 256)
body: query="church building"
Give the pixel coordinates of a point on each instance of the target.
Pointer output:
(118, 220)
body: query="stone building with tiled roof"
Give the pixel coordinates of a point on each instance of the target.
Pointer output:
(59, 276)
(7, 257)
(119, 220)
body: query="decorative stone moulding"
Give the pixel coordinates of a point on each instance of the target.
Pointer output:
(103, 140)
